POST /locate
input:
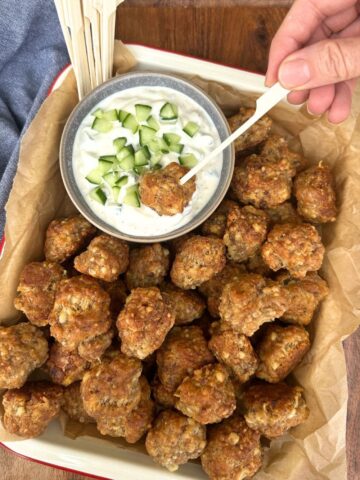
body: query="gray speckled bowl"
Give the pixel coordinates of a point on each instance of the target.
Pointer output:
(123, 82)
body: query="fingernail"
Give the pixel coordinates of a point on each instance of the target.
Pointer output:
(268, 83)
(294, 73)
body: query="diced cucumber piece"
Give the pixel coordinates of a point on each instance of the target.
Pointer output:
(133, 188)
(125, 151)
(132, 197)
(142, 112)
(101, 125)
(164, 147)
(141, 169)
(110, 115)
(177, 148)
(142, 156)
(115, 193)
(158, 145)
(191, 128)
(189, 160)
(156, 167)
(154, 145)
(169, 111)
(153, 123)
(122, 181)
(127, 163)
(146, 134)
(131, 123)
(95, 176)
(98, 195)
(98, 113)
(111, 178)
(119, 143)
(171, 138)
(155, 158)
(108, 158)
(104, 165)
(122, 114)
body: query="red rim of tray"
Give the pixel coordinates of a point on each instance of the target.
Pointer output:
(2, 243)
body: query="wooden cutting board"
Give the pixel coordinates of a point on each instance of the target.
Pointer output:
(235, 32)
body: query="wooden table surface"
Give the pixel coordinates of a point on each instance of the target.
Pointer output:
(234, 32)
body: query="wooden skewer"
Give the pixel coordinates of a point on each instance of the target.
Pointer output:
(61, 14)
(263, 104)
(87, 10)
(94, 18)
(89, 30)
(107, 10)
(73, 18)
(112, 36)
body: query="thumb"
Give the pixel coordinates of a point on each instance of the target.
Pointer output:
(323, 63)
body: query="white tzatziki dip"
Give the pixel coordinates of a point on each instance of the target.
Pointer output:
(131, 132)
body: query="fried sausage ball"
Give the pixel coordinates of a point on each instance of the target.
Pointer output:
(183, 351)
(304, 296)
(73, 405)
(198, 260)
(213, 288)
(106, 258)
(233, 451)
(144, 322)
(112, 388)
(23, 347)
(315, 194)
(148, 266)
(186, 305)
(36, 290)
(174, 439)
(263, 181)
(280, 350)
(245, 232)
(118, 293)
(283, 213)
(256, 264)
(161, 394)
(136, 423)
(65, 366)
(161, 190)
(65, 237)
(273, 409)
(277, 147)
(81, 311)
(215, 225)
(254, 135)
(251, 301)
(207, 396)
(29, 409)
(234, 350)
(93, 349)
(297, 248)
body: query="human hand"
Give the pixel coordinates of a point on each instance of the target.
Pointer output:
(316, 53)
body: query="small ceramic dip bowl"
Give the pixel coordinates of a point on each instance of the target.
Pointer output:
(135, 125)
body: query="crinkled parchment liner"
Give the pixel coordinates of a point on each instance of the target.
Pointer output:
(315, 450)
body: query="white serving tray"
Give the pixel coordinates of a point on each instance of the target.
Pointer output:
(86, 455)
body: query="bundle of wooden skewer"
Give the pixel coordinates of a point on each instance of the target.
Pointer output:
(89, 31)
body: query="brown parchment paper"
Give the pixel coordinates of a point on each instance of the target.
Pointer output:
(315, 450)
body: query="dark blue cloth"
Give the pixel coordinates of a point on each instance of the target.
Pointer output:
(32, 52)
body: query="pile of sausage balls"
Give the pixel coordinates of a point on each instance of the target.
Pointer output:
(189, 343)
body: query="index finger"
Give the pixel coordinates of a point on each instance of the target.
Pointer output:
(304, 17)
